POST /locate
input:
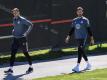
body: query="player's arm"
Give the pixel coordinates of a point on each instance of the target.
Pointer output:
(69, 34)
(90, 35)
(30, 25)
(90, 32)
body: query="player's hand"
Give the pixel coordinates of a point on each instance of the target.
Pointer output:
(92, 41)
(24, 34)
(67, 39)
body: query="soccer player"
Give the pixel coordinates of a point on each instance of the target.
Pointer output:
(81, 27)
(22, 27)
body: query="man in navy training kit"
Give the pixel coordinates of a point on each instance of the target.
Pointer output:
(22, 27)
(80, 27)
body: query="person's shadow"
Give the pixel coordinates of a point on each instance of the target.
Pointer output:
(12, 77)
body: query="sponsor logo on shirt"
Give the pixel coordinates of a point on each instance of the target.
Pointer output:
(78, 26)
(18, 22)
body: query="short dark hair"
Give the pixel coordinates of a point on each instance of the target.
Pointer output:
(15, 9)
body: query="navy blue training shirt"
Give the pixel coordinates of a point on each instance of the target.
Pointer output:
(80, 25)
(21, 26)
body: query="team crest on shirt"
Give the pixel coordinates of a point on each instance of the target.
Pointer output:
(78, 26)
(82, 22)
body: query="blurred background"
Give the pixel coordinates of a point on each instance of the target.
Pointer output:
(52, 20)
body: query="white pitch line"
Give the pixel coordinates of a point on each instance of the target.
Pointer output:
(5, 37)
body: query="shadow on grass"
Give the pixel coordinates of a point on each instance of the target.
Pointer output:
(50, 56)
(12, 77)
(54, 55)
